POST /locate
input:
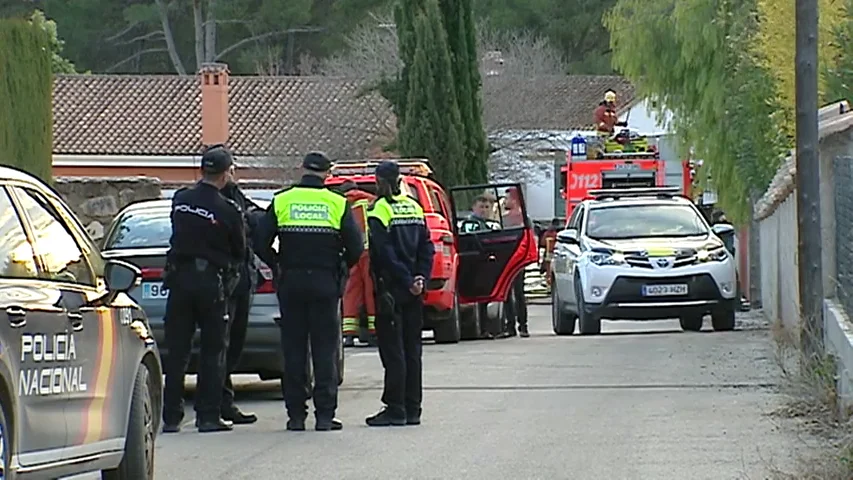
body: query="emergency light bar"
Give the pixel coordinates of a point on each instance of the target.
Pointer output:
(413, 166)
(635, 192)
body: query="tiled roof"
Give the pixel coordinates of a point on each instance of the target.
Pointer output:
(161, 115)
(554, 102)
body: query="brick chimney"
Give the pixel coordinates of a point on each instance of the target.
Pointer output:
(214, 103)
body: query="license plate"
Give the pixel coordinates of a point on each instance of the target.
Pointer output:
(664, 290)
(153, 290)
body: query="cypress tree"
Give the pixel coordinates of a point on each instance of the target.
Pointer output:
(26, 92)
(431, 125)
(462, 41)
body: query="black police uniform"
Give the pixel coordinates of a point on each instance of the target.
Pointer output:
(208, 240)
(400, 250)
(312, 271)
(238, 306)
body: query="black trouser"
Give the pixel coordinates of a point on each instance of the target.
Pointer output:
(238, 310)
(516, 305)
(398, 335)
(309, 311)
(195, 299)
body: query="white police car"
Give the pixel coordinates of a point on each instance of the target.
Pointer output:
(641, 254)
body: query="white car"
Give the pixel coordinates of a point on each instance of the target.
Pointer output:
(641, 254)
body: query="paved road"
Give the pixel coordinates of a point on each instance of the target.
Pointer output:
(643, 401)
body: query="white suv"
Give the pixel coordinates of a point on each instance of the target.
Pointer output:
(641, 254)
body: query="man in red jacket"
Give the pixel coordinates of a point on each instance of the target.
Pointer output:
(359, 289)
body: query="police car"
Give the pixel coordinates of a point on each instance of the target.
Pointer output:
(80, 375)
(641, 254)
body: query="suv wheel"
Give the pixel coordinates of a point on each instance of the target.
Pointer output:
(691, 322)
(138, 460)
(563, 323)
(723, 318)
(588, 323)
(449, 330)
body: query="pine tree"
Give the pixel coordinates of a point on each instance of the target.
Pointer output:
(461, 35)
(26, 91)
(430, 125)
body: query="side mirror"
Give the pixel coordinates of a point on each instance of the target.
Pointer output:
(722, 229)
(121, 276)
(568, 236)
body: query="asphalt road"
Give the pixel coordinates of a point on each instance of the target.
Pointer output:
(642, 401)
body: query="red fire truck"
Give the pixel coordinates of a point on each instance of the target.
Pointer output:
(612, 170)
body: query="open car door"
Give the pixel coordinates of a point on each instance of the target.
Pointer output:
(494, 238)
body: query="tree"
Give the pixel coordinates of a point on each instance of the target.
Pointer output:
(431, 123)
(775, 42)
(509, 61)
(26, 88)
(697, 59)
(839, 71)
(573, 26)
(58, 63)
(462, 41)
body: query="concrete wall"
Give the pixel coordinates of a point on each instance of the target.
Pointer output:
(96, 200)
(776, 214)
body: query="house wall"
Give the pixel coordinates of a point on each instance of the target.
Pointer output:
(96, 200)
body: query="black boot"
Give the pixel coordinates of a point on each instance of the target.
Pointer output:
(349, 341)
(171, 427)
(523, 332)
(217, 425)
(238, 417)
(386, 418)
(296, 424)
(328, 424)
(413, 416)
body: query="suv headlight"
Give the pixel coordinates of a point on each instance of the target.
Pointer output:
(603, 259)
(716, 255)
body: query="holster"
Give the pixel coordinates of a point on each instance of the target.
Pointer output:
(385, 302)
(169, 274)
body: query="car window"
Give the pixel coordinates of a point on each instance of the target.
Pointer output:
(140, 229)
(62, 256)
(411, 191)
(437, 201)
(644, 221)
(495, 208)
(14, 246)
(574, 221)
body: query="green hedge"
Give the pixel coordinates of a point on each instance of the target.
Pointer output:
(26, 91)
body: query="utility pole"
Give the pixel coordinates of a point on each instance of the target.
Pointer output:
(808, 181)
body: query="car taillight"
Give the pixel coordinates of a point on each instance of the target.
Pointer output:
(149, 273)
(447, 239)
(266, 285)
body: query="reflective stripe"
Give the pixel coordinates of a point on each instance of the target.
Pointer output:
(309, 210)
(361, 206)
(404, 211)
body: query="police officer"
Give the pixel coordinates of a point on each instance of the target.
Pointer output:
(239, 305)
(317, 235)
(208, 241)
(401, 256)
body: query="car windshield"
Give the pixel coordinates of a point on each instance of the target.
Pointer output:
(644, 221)
(143, 229)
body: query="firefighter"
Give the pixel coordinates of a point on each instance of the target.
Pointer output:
(359, 289)
(208, 242)
(316, 233)
(401, 255)
(549, 240)
(605, 116)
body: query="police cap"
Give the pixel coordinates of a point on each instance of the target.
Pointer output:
(388, 171)
(317, 162)
(216, 159)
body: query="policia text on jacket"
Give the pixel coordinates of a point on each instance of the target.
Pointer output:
(53, 378)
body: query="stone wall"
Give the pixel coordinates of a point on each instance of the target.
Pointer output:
(96, 200)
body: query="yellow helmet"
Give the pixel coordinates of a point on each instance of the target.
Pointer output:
(610, 96)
